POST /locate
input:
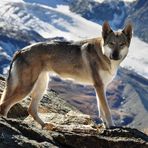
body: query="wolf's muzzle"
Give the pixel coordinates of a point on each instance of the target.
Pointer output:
(115, 56)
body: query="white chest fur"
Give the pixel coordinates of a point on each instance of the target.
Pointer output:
(107, 76)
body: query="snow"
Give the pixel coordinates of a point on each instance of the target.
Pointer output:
(101, 1)
(51, 3)
(59, 21)
(137, 57)
(48, 21)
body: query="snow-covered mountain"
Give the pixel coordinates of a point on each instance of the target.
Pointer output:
(24, 22)
(46, 21)
(115, 12)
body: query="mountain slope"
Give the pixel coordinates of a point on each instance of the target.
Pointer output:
(116, 12)
(113, 11)
(23, 23)
(47, 21)
(136, 59)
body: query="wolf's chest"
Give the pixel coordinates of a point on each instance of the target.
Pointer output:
(107, 76)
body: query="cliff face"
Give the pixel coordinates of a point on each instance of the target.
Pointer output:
(73, 129)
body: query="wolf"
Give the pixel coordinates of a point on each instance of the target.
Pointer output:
(92, 61)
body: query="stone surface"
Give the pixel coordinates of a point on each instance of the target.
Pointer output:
(73, 129)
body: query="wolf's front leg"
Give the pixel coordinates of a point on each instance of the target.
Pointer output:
(91, 61)
(103, 105)
(100, 93)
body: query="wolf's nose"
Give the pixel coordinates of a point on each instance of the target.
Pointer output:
(115, 56)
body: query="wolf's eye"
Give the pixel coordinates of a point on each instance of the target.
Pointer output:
(121, 44)
(112, 43)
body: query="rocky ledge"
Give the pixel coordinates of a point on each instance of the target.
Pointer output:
(73, 129)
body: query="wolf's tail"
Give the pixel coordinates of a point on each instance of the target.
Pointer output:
(16, 55)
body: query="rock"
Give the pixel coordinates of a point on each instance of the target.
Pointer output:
(118, 138)
(73, 129)
(15, 133)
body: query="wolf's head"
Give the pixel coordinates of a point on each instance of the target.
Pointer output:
(116, 44)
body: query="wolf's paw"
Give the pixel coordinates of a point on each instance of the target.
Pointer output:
(111, 126)
(100, 126)
(49, 126)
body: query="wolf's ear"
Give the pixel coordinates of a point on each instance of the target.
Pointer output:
(106, 30)
(128, 31)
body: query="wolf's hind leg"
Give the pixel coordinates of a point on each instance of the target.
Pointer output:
(18, 85)
(37, 94)
(12, 96)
